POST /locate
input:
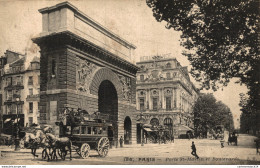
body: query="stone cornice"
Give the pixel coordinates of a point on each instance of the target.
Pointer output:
(88, 20)
(67, 38)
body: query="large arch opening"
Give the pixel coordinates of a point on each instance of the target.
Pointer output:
(127, 130)
(108, 105)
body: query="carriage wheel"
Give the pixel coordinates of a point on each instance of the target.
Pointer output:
(103, 146)
(84, 150)
(152, 139)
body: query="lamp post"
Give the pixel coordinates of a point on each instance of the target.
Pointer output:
(141, 120)
(17, 126)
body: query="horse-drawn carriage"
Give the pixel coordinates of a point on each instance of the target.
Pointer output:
(79, 132)
(157, 134)
(87, 135)
(232, 138)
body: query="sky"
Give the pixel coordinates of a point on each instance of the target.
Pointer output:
(131, 19)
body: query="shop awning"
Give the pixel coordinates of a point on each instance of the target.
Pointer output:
(7, 120)
(16, 120)
(183, 128)
(148, 129)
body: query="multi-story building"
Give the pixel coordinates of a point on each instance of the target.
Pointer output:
(165, 94)
(19, 88)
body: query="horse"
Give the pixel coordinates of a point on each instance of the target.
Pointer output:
(30, 142)
(59, 143)
(43, 142)
(35, 141)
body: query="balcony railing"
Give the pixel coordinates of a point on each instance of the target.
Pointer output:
(13, 70)
(30, 82)
(33, 97)
(173, 110)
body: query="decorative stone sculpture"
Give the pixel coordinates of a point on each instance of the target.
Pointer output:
(126, 87)
(85, 71)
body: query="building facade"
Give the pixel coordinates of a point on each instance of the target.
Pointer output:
(86, 66)
(19, 89)
(165, 94)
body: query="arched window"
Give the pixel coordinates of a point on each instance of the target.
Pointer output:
(167, 122)
(154, 122)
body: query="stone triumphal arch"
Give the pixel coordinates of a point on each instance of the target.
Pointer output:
(84, 65)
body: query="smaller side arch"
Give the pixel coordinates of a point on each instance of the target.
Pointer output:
(127, 130)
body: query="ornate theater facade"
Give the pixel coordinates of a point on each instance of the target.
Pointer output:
(84, 65)
(165, 95)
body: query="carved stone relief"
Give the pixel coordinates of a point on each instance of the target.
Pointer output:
(84, 71)
(155, 92)
(168, 91)
(126, 87)
(141, 93)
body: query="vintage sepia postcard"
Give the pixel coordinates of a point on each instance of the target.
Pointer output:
(134, 82)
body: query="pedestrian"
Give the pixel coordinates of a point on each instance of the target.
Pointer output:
(172, 138)
(222, 143)
(121, 141)
(193, 147)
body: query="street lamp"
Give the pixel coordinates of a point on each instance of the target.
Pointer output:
(142, 120)
(17, 126)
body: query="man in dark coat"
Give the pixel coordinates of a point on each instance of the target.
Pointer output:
(193, 147)
(121, 141)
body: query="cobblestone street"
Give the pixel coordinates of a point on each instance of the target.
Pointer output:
(179, 152)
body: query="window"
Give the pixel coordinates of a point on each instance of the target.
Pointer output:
(53, 68)
(89, 130)
(9, 95)
(175, 97)
(19, 80)
(155, 104)
(100, 130)
(168, 75)
(142, 77)
(17, 93)
(141, 101)
(30, 121)
(38, 107)
(168, 103)
(75, 130)
(31, 107)
(9, 81)
(83, 130)
(14, 81)
(13, 109)
(39, 80)
(8, 109)
(20, 109)
(31, 91)
(95, 130)
(30, 80)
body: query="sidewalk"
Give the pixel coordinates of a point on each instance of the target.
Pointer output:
(11, 149)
